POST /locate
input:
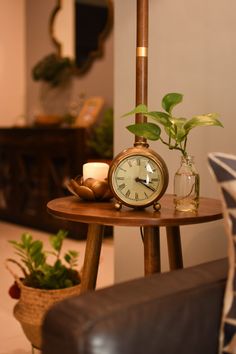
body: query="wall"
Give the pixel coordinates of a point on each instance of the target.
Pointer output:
(12, 61)
(24, 40)
(38, 45)
(192, 50)
(41, 99)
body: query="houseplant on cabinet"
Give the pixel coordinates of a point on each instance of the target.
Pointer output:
(100, 142)
(42, 282)
(177, 129)
(53, 69)
(55, 76)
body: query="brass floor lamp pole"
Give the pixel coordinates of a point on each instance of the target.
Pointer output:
(141, 62)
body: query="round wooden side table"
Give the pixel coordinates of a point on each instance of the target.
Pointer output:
(97, 215)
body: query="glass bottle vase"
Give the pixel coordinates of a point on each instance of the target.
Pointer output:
(186, 186)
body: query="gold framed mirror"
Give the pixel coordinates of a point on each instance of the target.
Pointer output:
(78, 29)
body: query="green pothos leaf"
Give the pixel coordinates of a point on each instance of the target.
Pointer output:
(170, 100)
(160, 117)
(203, 120)
(149, 131)
(141, 108)
(177, 131)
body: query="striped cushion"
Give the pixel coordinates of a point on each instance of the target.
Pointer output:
(223, 167)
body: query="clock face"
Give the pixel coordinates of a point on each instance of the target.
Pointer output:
(138, 180)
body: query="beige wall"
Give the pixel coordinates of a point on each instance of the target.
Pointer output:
(24, 40)
(192, 50)
(12, 61)
(98, 80)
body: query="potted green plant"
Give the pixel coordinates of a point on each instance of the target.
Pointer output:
(53, 69)
(177, 129)
(55, 73)
(42, 282)
(100, 141)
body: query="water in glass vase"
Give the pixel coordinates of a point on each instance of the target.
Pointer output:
(186, 186)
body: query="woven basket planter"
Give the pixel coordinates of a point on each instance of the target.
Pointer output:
(32, 306)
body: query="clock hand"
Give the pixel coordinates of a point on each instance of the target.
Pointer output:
(142, 181)
(137, 179)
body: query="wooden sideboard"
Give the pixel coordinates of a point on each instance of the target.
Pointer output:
(34, 165)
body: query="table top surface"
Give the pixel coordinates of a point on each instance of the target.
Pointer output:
(74, 209)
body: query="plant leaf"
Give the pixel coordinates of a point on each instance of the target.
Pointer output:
(39, 259)
(180, 132)
(202, 120)
(170, 100)
(57, 240)
(149, 131)
(73, 254)
(35, 247)
(71, 257)
(161, 117)
(141, 108)
(26, 239)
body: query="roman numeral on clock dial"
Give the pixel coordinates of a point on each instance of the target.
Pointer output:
(127, 194)
(122, 186)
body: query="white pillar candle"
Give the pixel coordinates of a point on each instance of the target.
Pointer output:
(97, 170)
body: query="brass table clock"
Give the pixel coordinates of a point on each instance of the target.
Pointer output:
(138, 177)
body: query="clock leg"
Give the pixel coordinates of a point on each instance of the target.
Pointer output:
(152, 257)
(92, 256)
(174, 247)
(156, 206)
(118, 205)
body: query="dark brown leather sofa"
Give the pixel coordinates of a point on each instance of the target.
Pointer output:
(173, 312)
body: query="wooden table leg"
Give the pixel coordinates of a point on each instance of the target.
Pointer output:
(152, 258)
(174, 247)
(92, 255)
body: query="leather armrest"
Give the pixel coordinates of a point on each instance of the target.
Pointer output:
(173, 312)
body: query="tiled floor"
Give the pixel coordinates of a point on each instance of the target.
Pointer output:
(12, 339)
